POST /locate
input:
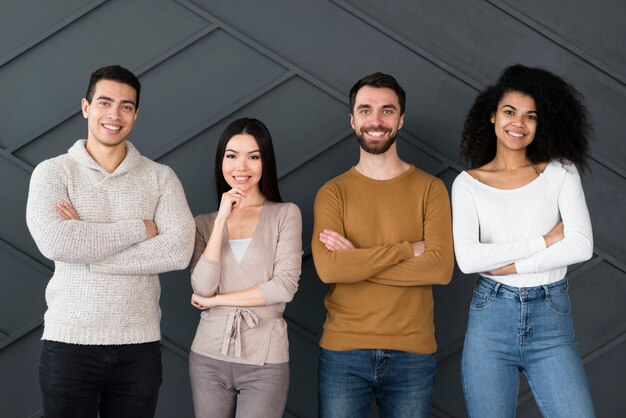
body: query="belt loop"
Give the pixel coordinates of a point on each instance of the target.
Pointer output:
(495, 289)
(546, 291)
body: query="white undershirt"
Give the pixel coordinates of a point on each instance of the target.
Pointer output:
(239, 247)
(495, 227)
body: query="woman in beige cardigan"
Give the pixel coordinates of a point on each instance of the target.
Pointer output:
(245, 267)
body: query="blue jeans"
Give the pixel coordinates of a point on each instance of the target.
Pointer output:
(118, 381)
(402, 383)
(523, 329)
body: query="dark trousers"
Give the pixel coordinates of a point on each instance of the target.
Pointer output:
(117, 381)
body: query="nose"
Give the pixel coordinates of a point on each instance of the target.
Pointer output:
(519, 120)
(114, 113)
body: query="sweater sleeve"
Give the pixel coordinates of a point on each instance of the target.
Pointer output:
(348, 266)
(205, 274)
(72, 241)
(436, 265)
(577, 244)
(472, 255)
(288, 260)
(170, 250)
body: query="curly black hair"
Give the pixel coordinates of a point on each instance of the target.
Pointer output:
(563, 125)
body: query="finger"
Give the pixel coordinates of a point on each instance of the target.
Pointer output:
(63, 212)
(71, 211)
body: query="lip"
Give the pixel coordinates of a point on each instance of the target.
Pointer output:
(112, 128)
(241, 179)
(516, 135)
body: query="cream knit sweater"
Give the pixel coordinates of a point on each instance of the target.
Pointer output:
(105, 288)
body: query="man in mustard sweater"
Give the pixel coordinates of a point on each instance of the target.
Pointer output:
(381, 238)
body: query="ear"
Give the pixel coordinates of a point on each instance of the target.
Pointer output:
(352, 121)
(84, 105)
(401, 122)
(493, 118)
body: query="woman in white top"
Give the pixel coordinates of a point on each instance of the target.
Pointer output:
(245, 268)
(520, 219)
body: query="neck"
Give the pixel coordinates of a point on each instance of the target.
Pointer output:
(383, 166)
(511, 161)
(254, 197)
(107, 157)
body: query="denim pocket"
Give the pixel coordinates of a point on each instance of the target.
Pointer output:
(559, 301)
(481, 300)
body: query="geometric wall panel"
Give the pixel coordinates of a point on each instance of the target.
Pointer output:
(291, 63)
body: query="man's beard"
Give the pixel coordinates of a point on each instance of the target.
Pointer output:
(377, 147)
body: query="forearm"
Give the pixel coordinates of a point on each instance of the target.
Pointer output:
(170, 250)
(205, 277)
(243, 298)
(434, 267)
(359, 264)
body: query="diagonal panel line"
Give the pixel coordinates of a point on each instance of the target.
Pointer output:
(382, 28)
(16, 161)
(47, 33)
(21, 332)
(545, 32)
(206, 124)
(144, 68)
(263, 50)
(26, 258)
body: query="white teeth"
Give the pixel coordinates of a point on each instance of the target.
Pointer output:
(376, 133)
(241, 178)
(112, 127)
(516, 135)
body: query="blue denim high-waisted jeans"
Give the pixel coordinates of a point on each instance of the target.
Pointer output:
(523, 329)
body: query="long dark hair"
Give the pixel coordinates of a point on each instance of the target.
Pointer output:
(562, 119)
(268, 184)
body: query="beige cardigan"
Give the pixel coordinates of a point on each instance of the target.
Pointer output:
(253, 335)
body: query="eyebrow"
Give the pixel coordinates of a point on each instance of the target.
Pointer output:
(367, 106)
(513, 107)
(237, 152)
(113, 100)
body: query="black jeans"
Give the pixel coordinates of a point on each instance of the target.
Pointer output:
(118, 381)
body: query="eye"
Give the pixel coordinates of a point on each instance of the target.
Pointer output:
(365, 111)
(231, 156)
(255, 157)
(128, 108)
(531, 117)
(387, 111)
(103, 104)
(509, 112)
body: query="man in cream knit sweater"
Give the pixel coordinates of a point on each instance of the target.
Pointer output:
(111, 220)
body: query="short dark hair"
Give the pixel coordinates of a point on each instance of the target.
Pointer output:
(379, 80)
(268, 184)
(113, 73)
(562, 119)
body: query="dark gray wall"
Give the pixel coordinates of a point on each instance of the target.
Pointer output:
(290, 63)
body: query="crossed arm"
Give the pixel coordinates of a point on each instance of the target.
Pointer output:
(426, 262)
(568, 242)
(132, 246)
(280, 288)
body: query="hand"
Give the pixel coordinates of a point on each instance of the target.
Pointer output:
(556, 234)
(230, 202)
(67, 212)
(503, 271)
(151, 229)
(334, 241)
(201, 302)
(419, 248)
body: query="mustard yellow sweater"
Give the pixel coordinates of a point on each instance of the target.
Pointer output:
(380, 294)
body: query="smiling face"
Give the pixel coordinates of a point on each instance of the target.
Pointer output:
(242, 166)
(515, 121)
(376, 118)
(111, 113)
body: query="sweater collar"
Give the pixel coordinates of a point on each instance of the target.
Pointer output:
(79, 153)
